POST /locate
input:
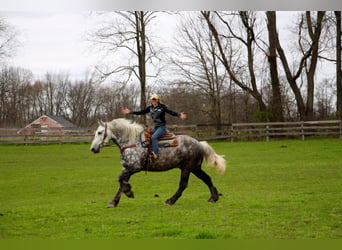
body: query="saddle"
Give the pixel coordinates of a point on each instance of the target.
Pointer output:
(167, 140)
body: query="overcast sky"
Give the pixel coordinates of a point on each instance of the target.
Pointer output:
(52, 41)
(55, 41)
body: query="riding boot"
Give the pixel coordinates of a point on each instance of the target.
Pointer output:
(154, 156)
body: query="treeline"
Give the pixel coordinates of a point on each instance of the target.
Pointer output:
(83, 102)
(239, 62)
(23, 99)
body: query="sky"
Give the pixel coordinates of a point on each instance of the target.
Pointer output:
(55, 41)
(52, 42)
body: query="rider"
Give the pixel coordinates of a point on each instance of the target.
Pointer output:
(157, 110)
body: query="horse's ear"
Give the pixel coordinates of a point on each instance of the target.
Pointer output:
(101, 123)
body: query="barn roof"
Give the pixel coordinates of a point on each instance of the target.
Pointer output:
(62, 121)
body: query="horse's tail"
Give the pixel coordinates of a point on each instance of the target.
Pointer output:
(213, 159)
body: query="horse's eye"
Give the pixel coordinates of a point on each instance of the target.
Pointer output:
(99, 133)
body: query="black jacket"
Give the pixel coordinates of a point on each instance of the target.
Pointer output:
(157, 114)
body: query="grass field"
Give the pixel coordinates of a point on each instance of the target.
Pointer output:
(271, 190)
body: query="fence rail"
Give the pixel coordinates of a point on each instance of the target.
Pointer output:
(266, 131)
(15, 135)
(232, 132)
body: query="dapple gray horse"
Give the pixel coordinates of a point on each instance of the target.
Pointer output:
(187, 156)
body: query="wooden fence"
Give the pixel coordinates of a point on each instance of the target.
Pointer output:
(265, 131)
(61, 135)
(230, 132)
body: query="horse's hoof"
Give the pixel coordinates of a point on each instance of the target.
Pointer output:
(169, 202)
(110, 205)
(212, 200)
(129, 194)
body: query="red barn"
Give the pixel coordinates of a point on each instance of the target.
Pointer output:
(48, 124)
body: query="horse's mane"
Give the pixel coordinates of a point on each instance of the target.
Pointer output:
(128, 130)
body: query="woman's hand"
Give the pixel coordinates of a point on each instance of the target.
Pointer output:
(125, 111)
(183, 116)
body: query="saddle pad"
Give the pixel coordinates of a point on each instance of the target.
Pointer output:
(167, 140)
(162, 144)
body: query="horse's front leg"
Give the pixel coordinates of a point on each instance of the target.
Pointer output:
(125, 188)
(116, 199)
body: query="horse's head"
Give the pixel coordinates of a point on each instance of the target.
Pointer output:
(120, 130)
(102, 136)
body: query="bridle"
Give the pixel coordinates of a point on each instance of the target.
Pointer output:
(104, 134)
(122, 149)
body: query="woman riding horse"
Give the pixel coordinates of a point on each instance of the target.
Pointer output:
(157, 110)
(188, 156)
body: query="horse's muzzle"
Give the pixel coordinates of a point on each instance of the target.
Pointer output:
(94, 150)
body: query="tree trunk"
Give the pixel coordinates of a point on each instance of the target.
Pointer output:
(276, 101)
(314, 33)
(223, 58)
(292, 78)
(338, 65)
(141, 50)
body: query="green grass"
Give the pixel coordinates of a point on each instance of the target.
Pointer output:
(271, 190)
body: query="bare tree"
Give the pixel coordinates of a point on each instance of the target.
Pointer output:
(55, 90)
(276, 99)
(248, 21)
(314, 30)
(81, 102)
(111, 98)
(324, 98)
(199, 67)
(338, 64)
(129, 35)
(14, 98)
(8, 39)
(308, 52)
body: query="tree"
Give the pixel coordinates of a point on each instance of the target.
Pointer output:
(248, 21)
(129, 36)
(276, 99)
(314, 29)
(8, 39)
(15, 102)
(304, 110)
(81, 102)
(338, 64)
(55, 88)
(199, 67)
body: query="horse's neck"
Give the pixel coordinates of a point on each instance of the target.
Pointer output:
(125, 133)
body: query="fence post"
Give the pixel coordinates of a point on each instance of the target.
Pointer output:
(232, 133)
(197, 131)
(267, 133)
(302, 126)
(341, 129)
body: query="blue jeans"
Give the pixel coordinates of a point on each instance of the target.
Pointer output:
(157, 133)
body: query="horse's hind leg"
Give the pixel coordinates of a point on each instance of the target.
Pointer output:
(182, 185)
(207, 180)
